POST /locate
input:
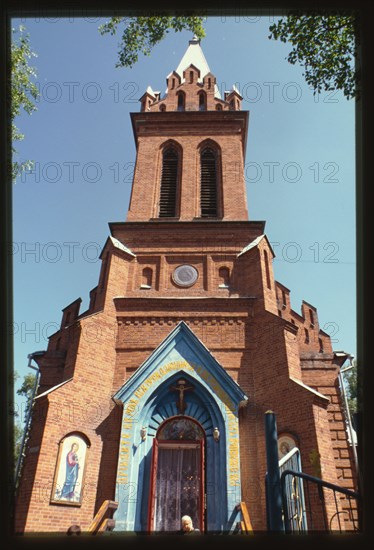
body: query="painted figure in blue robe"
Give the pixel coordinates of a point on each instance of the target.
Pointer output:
(72, 468)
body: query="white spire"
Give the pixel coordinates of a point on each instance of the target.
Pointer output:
(194, 55)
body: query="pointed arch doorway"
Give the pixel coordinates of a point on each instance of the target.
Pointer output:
(177, 485)
(212, 400)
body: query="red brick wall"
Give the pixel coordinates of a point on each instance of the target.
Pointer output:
(258, 348)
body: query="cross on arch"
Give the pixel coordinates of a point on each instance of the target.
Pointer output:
(181, 387)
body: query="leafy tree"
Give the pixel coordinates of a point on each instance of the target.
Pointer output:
(17, 429)
(140, 34)
(326, 46)
(23, 90)
(27, 391)
(17, 435)
(352, 388)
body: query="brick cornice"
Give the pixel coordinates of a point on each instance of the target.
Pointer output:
(169, 230)
(187, 122)
(205, 305)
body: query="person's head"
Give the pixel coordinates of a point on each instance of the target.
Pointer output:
(74, 530)
(187, 523)
(74, 447)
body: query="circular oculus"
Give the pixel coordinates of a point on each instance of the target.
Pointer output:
(185, 275)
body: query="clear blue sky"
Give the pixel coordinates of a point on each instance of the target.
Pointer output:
(300, 168)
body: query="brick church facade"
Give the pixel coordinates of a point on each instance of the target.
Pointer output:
(155, 396)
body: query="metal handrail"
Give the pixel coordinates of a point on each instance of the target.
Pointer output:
(319, 481)
(321, 484)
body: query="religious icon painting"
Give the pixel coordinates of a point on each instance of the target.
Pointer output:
(286, 443)
(70, 468)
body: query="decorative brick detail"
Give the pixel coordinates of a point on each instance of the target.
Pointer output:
(215, 333)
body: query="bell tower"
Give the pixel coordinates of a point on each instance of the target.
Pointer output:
(190, 148)
(188, 209)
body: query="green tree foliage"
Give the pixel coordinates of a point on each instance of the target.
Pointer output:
(352, 388)
(17, 435)
(27, 391)
(23, 90)
(17, 430)
(140, 34)
(326, 46)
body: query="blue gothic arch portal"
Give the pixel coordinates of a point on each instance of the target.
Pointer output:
(148, 402)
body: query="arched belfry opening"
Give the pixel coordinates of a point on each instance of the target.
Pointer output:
(209, 181)
(169, 188)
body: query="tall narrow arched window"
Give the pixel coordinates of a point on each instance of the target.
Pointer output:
(208, 189)
(320, 341)
(202, 101)
(267, 269)
(169, 183)
(181, 101)
(311, 317)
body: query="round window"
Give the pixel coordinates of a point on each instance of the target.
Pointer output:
(185, 275)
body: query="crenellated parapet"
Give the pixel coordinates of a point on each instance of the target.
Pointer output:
(191, 87)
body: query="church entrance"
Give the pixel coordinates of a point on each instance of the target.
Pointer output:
(179, 448)
(177, 475)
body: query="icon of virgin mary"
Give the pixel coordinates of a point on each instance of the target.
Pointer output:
(72, 469)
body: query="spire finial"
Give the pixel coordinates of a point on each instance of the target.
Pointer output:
(195, 39)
